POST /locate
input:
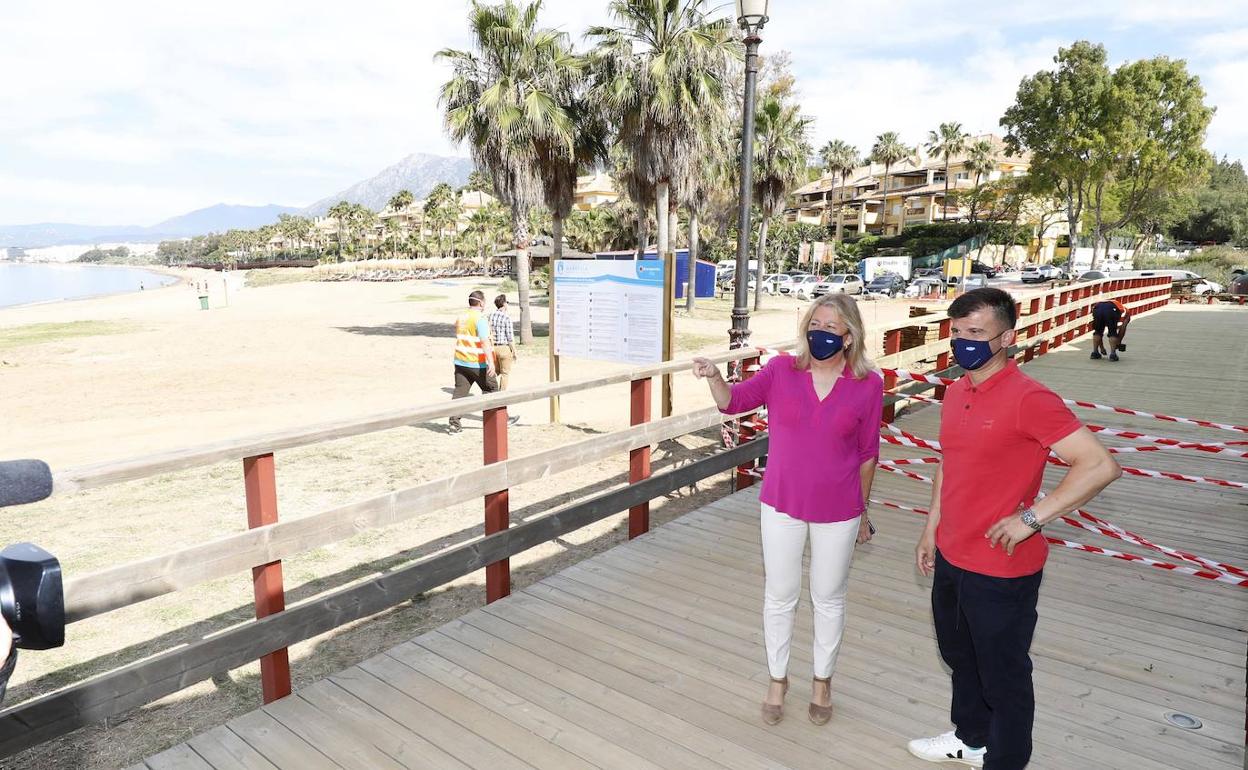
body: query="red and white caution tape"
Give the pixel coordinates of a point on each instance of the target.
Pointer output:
(908, 375)
(1220, 577)
(909, 439)
(1155, 416)
(1118, 533)
(1166, 475)
(908, 474)
(910, 461)
(1207, 574)
(1214, 447)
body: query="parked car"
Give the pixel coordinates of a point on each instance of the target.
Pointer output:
(1198, 283)
(980, 268)
(772, 283)
(804, 287)
(925, 286)
(843, 283)
(1093, 275)
(786, 287)
(886, 284)
(930, 272)
(974, 281)
(1042, 273)
(1240, 284)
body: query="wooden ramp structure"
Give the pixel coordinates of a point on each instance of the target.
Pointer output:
(650, 655)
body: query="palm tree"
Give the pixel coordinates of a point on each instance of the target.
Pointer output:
(363, 221)
(400, 200)
(946, 141)
(839, 158)
(655, 76)
(980, 161)
(393, 229)
(504, 99)
(342, 212)
(435, 211)
(780, 152)
(888, 150)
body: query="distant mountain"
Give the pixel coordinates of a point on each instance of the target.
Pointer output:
(219, 218)
(216, 218)
(57, 233)
(418, 172)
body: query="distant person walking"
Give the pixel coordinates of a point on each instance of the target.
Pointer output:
(474, 353)
(503, 335)
(1108, 317)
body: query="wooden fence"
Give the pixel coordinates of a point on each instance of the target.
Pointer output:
(1046, 321)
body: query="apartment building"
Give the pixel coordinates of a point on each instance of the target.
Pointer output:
(915, 193)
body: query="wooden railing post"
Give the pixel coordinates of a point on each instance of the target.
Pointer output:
(260, 481)
(497, 504)
(744, 479)
(942, 359)
(1047, 325)
(1032, 310)
(639, 458)
(892, 344)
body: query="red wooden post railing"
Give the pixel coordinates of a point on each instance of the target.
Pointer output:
(260, 481)
(1031, 328)
(942, 359)
(639, 459)
(892, 344)
(744, 479)
(497, 504)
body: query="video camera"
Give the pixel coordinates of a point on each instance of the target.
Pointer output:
(32, 598)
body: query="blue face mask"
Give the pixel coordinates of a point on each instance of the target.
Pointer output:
(824, 345)
(972, 354)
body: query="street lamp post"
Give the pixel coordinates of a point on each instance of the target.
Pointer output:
(752, 15)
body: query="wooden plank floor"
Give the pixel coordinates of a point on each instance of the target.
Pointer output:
(650, 655)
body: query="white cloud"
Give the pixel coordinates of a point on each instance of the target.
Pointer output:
(140, 110)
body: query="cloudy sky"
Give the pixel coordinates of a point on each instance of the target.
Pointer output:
(132, 111)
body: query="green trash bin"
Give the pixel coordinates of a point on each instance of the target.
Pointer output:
(203, 302)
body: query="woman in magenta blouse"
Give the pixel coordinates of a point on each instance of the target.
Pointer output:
(823, 417)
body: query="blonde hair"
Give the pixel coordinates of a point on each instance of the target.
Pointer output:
(855, 353)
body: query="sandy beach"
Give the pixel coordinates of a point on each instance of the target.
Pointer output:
(120, 376)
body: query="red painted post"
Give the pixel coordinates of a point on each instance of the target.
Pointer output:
(744, 479)
(639, 459)
(497, 504)
(892, 344)
(1047, 325)
(942, 360)
(260, 481)
(1032, 310)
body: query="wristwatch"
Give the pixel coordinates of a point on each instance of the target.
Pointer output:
(1029, 518)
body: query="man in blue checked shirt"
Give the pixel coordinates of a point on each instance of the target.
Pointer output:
(502, 334)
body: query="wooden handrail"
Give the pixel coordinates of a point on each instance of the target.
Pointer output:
(113, 472)
(115, 587)
(128, 687)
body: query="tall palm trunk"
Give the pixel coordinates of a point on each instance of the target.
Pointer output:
(758, 280)
(884, 203)
(520, 232)
(661, 195)
(556, 228)
(691, 291)
(944, 204)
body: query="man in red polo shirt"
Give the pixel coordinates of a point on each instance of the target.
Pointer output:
(997, 426)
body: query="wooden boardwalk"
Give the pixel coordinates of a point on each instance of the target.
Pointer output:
(650, 655)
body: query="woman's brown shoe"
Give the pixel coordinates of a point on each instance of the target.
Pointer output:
(773, 713)
(821, 714)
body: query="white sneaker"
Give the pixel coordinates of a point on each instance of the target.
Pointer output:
(947, 748)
